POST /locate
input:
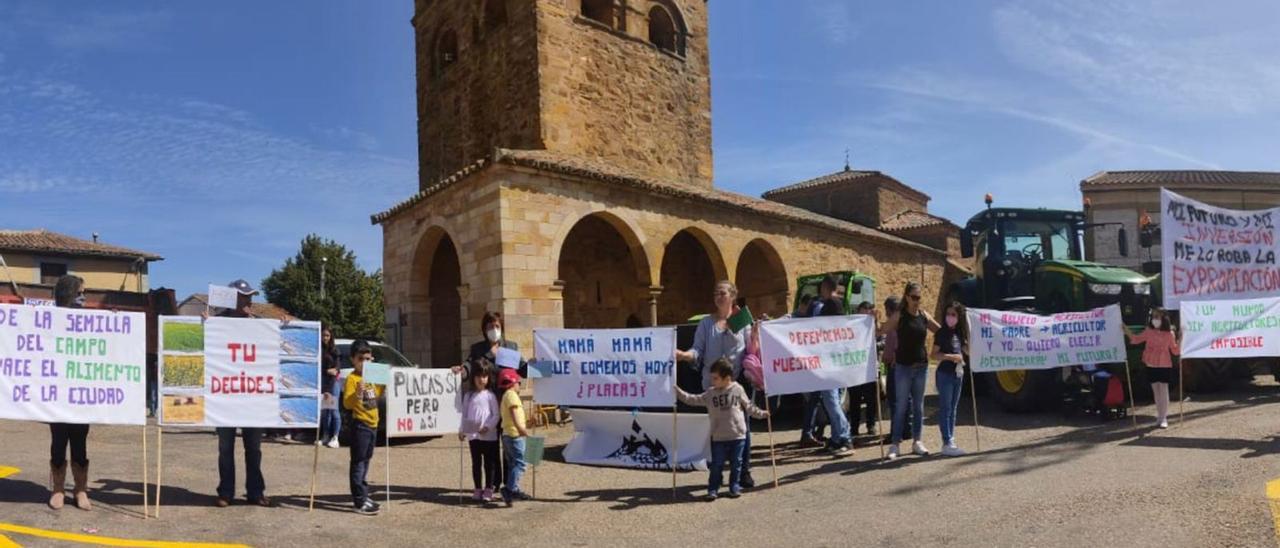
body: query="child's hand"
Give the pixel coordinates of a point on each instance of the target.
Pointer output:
(462, 437)
(523, 433)
(484, 429)
(766, 414)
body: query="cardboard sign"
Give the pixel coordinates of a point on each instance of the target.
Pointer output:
(1245, 328)
(534, 447)
(222, 296)
(810, 354)
(423, 402)
(606, 367)
(507, 358)
(376, 373)
(72, 365)
(1004, 340)
(1214, 253)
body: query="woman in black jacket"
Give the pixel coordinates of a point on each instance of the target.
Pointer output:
(330, 421)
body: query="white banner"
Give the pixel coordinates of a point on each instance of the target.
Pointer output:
(1214, 253)
(423, 402)
(811, 354)
(73, 365)
(642, 440)
(1001, 340)
(1245, 328)
(239, 372)
(604, 367)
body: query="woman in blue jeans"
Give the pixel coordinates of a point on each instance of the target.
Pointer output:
(330, 422)
(912, 326)
(949, 347)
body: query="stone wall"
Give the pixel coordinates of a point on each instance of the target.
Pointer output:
(511, 224)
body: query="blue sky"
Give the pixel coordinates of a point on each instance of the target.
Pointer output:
(218, 134)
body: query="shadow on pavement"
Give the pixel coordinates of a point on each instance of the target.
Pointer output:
(632, 498)
(106, 495)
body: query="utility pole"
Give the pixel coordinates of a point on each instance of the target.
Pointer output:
(324, 262)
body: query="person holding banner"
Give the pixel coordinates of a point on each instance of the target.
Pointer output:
(912, 326)
(69, 293)
(714, 339)
(493, 328)
(727, 405)
(864, 394)
(514, 435)
(254, 483)
(362, 400)
(949, 348)
(1160, 344)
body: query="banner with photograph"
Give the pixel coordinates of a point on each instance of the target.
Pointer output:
(239, 372)
(1003, 340)
(638, 440)
(1214, 253)
(1247, 328)
(801, 355)
(604, 367)
(423, 402)
(73, 365)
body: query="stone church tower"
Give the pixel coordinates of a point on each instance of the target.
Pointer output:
(625, 82)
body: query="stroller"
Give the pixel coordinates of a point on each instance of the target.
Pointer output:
(1091, 390)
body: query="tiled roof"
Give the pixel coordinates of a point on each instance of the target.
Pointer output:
(44, 241)
(845, 176)
(565, 165)
(261, 310)
(910, 219)
(1181, 177)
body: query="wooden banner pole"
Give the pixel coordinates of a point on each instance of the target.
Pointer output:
(1133, 406)
(973, 396)
(159, 466)
(145, 487)
(879, 416)
(388, 438)
(315, 469)
(1182, 411)
(462, 482)
(533, 472)
(773, 457)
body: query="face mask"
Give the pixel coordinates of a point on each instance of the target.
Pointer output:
(79, 302)
(1156, 323)
(952, 321)
(493, 334)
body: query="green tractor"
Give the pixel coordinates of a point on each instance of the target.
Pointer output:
(1032, 260)
(854, 287)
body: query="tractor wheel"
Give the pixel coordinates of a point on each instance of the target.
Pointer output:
(1207, 375)
(1025, 390)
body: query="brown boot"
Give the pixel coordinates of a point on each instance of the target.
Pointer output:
(57, 484)
(81, 476)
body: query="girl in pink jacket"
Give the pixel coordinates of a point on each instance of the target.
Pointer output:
(1161, 344)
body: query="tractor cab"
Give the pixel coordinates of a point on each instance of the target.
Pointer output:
(853, 287)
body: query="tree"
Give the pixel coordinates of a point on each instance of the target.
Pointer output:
(352, 303)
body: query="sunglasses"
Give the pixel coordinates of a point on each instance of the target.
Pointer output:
(913, 297)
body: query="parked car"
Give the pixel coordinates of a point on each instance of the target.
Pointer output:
(381, 354)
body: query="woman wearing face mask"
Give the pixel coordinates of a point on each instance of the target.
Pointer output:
(1160, 345)
(949, 345)
(69, 293)
(491, 327)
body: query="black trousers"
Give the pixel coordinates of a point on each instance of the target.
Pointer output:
(363, 439)
(865, 394)
(484, 462)
(255, 485)
(64, 434)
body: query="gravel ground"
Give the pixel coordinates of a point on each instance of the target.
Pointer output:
(1041, 480)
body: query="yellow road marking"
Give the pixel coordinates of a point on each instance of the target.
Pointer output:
(1273, 497)
(6, 471)
(6, 543)
(105, 541)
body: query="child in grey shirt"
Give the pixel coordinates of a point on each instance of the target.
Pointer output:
(726, 403)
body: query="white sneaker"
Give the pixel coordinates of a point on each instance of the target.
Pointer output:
(893, 452)
(333, 444)
(1164, 424)
(919, 449)
(952, 451)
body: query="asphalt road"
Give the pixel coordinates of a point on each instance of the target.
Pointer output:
(1040, 480)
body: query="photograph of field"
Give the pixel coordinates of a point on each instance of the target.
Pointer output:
(300, 340)
(182, 409)
(300, 409)
(300, 376)
(183, 371)
(183, 336)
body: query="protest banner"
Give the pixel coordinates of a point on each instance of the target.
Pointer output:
(1003, 340)
(1214, 253)
(239, 372)
(604, 367)
(810, 354)
(72, 365)
(423, 402)
(639, 440)
(1244, 328)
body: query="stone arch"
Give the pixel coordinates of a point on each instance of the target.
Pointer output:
(762, 279)
(691, 266)
(435, 305)
(666, 27)
(603, 272)
(444, 52)
(600, 11)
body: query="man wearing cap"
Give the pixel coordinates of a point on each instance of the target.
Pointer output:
(254, 484)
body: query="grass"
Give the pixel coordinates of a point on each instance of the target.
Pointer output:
(184, 337)
(184, 371)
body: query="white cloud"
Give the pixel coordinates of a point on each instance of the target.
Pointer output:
(359, 139)
(835, 18)
(91, 29)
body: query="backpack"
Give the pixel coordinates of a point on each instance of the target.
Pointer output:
(1115, 394)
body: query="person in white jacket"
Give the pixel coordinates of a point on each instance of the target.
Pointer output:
(480, 426)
